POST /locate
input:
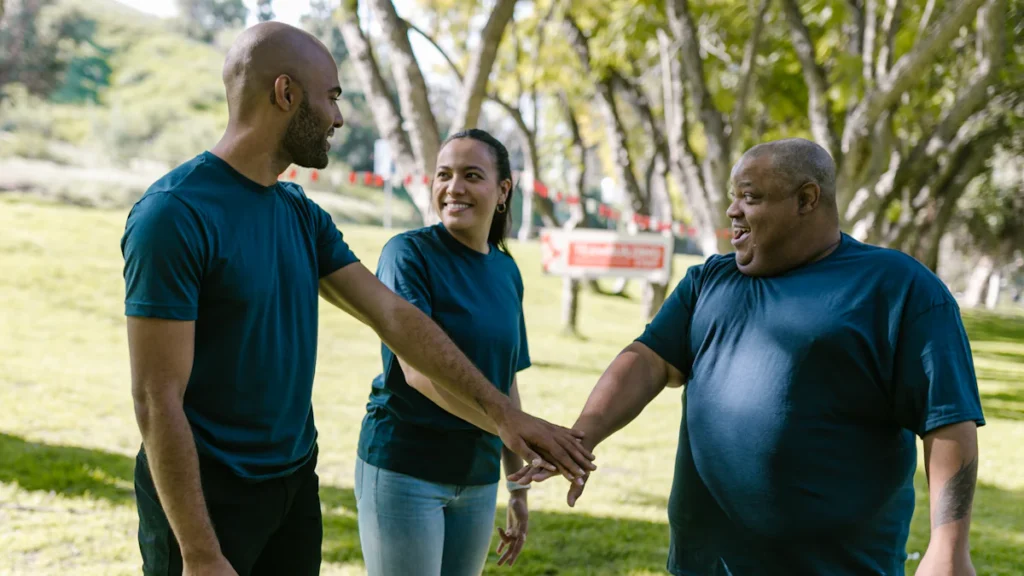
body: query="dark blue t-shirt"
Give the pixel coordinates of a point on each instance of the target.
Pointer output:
(477, 299)
(804, 394)
(243, 261)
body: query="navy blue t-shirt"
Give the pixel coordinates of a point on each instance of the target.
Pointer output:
(477, 299)
(243, 261)
(804, 395)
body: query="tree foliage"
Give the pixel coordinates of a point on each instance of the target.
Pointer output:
(202, 20)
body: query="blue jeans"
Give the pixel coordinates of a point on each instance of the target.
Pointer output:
(412, 527)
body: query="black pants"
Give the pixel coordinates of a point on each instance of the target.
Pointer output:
(266, 527)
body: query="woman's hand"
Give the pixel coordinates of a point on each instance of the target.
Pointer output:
(513, 538)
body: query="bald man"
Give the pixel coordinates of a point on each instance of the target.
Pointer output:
(223, 266)
(811, 361)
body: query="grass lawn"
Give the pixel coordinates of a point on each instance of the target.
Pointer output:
(68, 435)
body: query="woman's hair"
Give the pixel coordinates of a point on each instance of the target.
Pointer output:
(502, 222)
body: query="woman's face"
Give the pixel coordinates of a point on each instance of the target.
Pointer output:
(466, 190)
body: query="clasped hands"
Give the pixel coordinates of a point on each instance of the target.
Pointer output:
(539, 471)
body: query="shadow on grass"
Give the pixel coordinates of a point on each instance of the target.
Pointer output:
(561, 542)
(67, 470)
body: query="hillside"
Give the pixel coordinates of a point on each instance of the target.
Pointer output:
(137, 98)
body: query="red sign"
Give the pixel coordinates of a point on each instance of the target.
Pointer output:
(590, 253)
(616, 255)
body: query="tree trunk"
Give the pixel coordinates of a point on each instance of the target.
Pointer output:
(978, 281)
(682, 160)
(412, 90)
(382, 107)
(717, 161)
(818, 108)
(474, 85)
(995, 284)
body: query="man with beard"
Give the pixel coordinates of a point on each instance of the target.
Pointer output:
(811, 362)
(223, 267)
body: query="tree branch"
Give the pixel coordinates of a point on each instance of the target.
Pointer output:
(926, 18)
(971, 99)
(890, 26)
(906, 70)
(429, 38)
(616, 131)
(740, 109)
(818, 106)
(867, 52)
(475, 85)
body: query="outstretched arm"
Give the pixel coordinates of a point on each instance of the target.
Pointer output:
(951, 463)
(414, 337)
(631, 382)
(447, 401)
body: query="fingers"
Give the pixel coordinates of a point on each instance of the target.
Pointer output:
(526, 453)
(575, 491)
(519, 474)
(580, 454)
(514, 542)
(517, 547)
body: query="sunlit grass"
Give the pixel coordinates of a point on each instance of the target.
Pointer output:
(68, 434)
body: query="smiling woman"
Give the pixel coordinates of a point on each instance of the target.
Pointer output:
(429, 464)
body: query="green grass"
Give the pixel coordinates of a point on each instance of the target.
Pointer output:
(68, 435)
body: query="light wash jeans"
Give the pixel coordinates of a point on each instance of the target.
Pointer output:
(412, 527)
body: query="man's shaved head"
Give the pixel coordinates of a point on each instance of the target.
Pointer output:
(282, 83)
(797, 161)
(264, 52)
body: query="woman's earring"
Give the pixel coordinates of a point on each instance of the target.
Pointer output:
(501, 208)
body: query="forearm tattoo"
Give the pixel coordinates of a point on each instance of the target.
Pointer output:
(956, 496)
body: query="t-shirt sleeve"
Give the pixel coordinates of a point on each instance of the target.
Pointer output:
(402, 268)
(332, 252)
(164, 254)
(668, 334)
(934, 382)
(524, 346)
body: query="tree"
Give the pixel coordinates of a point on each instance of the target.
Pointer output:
(264, 10)
(900, 174)
(411, 127)
(40, 40)
(514, 65)
(202, 20)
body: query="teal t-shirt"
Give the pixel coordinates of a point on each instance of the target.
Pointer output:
(804, 395)
(477, 299)
(243, 261)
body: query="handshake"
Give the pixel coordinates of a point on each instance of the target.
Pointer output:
(549, 450)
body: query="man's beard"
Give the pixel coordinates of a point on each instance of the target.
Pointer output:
(304, 140)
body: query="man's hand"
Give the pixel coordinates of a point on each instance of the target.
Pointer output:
(513, 538)
(214, 566)
(528, 474)
(523, 434)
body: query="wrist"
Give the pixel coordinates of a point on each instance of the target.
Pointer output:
(591, 428)
(196, 555)
(516, 490)
(499, 409)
